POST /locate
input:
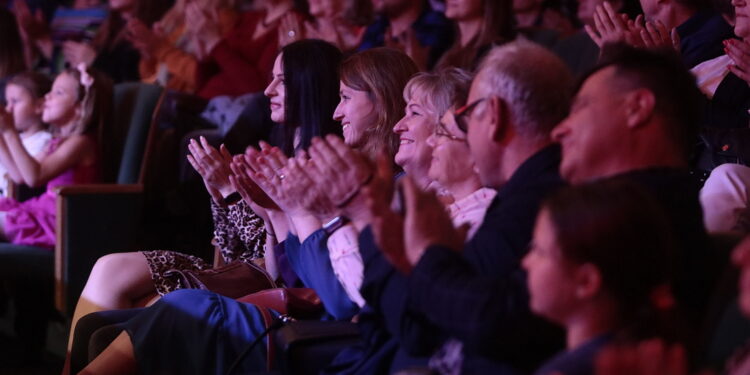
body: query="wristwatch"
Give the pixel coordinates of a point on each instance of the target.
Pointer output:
(232, 198)
(334, 225)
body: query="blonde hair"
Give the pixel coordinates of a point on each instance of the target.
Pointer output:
(382, 73)
(94, 101)
(439, 91)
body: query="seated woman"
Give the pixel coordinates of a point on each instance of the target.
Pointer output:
(74, 109)
(303, 95)
(77, 22)
(600, 268)
(12, 57)
(110, 51)
(340, 22)
(24, 95)
(173, 47)
(244, 321)
(480, 25)
(241, 62)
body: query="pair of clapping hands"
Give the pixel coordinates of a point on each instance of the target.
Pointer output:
(328, 180)
(612, 27)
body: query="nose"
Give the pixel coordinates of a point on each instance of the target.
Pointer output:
(400, 127)
(270, 91)
(526, 261)
(338, 114)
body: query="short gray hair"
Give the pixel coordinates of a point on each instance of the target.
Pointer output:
(536, 85)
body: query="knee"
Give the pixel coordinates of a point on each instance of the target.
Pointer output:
(112, 271)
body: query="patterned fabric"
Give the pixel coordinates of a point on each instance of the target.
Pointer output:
(239, 234)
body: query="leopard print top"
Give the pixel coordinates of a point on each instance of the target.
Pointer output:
(239, 234)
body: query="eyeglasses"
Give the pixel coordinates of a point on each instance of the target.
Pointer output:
(441, 131)
(461, 115)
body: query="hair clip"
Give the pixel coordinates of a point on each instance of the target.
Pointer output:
(86, 79)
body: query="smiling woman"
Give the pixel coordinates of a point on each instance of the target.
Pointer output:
(371, 102)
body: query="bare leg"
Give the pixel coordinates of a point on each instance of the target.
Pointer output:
(117, 281)
(117, 359)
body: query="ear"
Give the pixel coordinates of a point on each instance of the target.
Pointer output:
(639, 107)
(499, 118)
(588, 281)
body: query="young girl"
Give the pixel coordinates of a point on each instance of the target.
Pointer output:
(74, 109)
(24, 98)
(599, 267)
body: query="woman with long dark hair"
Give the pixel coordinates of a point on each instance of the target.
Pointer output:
(303, 96)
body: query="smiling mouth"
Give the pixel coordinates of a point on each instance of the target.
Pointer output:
(405, 141)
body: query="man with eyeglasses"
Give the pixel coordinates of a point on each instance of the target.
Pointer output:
(471, 307)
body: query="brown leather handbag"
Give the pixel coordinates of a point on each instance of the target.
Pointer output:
(233, 280)
(298, 303)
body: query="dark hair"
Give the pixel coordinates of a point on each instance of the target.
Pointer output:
(619, 228)
(498, 26)
(311, 80)
(36, 84)
(678, 98)
(382, 73)
(12, 59)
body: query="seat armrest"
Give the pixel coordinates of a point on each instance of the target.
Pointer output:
(92, 221)
(308, 346)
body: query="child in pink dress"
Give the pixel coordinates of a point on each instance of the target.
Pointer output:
(72, 109)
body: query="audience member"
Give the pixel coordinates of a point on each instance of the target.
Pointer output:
(691, 27)
(544, 21)
(110, 51)
(594, 265)
(241, 62)
(509, 119)
(412, 27)
(452, 168)
(303, 96)
(44, 40)
(636, 117)
(25, 102)
(340, 22)
(75, 107)
(578, 50)
(171, 50)
(12, 59)
(300, 93)
(480, 23)
(371, 99)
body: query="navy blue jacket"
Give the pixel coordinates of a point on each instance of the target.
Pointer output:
(478, 296)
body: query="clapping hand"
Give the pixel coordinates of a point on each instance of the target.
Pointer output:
(655, 35)
(610, 27)
(213, 166)
(342, 172)
(739, 51)
(144, 39)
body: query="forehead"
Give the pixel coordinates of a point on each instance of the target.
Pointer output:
(598, 83)
(278, 64)
(65, 81)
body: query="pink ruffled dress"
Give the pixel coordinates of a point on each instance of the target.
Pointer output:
(33, 222)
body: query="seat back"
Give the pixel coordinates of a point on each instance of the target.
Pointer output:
(125, 140)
